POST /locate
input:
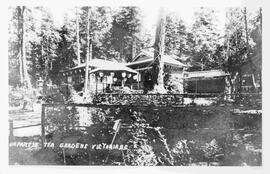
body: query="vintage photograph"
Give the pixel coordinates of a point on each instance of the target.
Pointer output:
(135, 85)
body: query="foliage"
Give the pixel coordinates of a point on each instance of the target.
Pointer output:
(140, 152)
(205, 39)
(13, 49)
(237, 51)
(100, 24)
(176, 36)
(61, 119)
(20, 97)
(126, 25)
(51, 49)
(212, 151)
(139, 99)
(182, 153)
(173, 83)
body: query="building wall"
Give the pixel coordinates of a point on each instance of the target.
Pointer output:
(205, 85)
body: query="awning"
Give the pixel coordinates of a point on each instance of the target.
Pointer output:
(103, 65)
(98, 63)
(114, 69)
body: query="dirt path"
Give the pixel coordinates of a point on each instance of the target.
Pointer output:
(25, 118)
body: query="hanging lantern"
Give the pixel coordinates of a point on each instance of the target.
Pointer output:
(124, 74)
(112, 74)
(129, 75)
(115, 79)
(101, 74)
(80, 70)
(135, 77)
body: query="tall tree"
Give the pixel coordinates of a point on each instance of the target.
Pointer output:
(248, 49)
(126, 25)
(15, 71)
(88, 53)
(159, 48)
(42, 45)
(235, 47)
(22, 39)
(78, 36)
(176, 36)
(238, 33)
(100, 24)
(205, 40)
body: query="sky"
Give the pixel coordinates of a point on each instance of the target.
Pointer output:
(150, 14)
(184, 8)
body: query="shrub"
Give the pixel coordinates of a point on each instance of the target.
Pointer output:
(212, 151)
(182, 153)
(140, 152)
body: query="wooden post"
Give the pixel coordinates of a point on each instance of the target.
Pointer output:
(11, 129)
(116, 131)
(196, 87)
(106, 83)
(64, 156)
(96, 83)
(42, 126)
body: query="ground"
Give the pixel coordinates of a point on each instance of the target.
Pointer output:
(196, 126)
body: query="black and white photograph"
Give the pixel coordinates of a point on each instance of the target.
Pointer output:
(134, 85)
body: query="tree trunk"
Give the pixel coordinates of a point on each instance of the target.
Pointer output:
(20, 48)
(21, 67)
(159, 47)
(261, 21)
(248, 51)
(230, 78)
(133, 51)
(88, 54)
(260, 81)
(78, 37)
(42, 55)
(122, 51)
(23, 51)
(239, 87)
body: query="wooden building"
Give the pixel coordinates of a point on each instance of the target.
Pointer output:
(138, 75)
(102, 75)
(143, 64)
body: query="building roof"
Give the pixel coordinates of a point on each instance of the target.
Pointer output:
(114, 68)
(205, 74)
(99, 63)
(167, 59)
(104, 65)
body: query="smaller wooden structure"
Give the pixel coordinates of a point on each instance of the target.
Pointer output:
(212, 81)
